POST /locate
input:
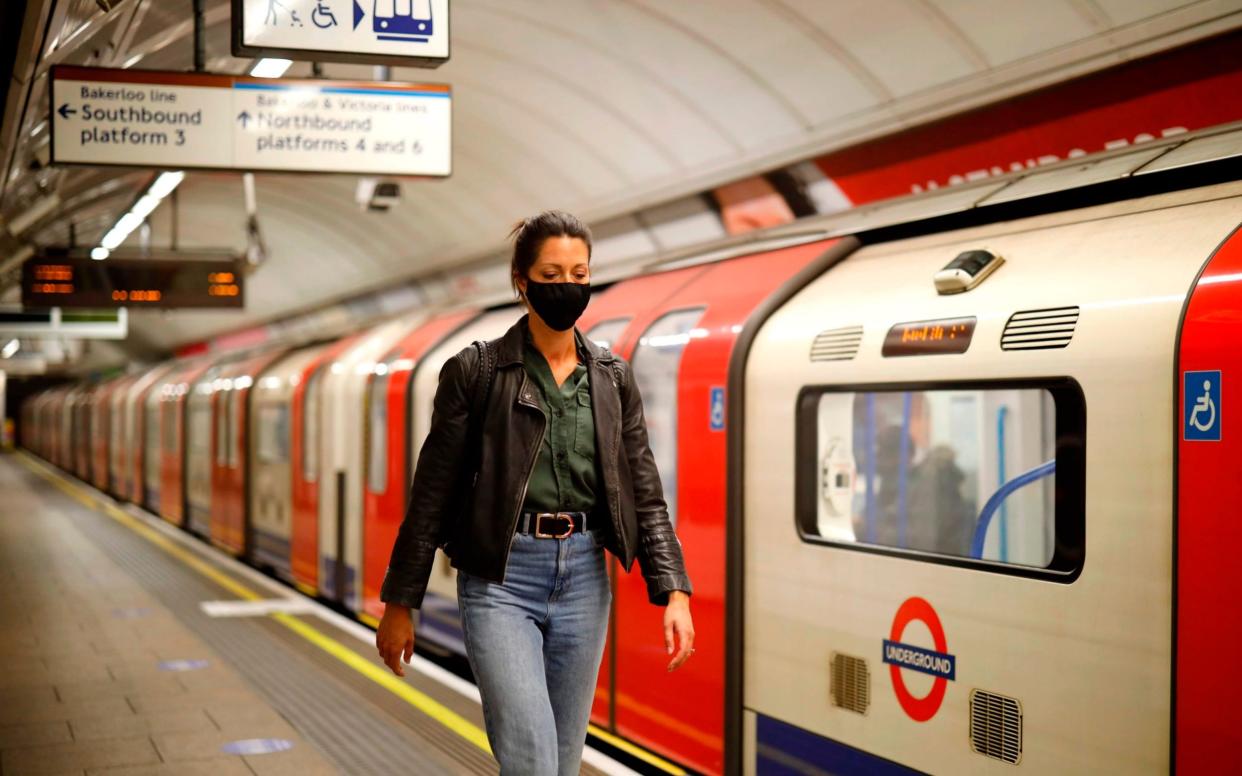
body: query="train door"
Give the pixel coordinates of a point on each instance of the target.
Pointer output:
(172, 473)
(341, 459)
(200, 446)
(272, 429)
(152, 434)
(681, 364)
(389, 465)
(438, 619)
(609, 321)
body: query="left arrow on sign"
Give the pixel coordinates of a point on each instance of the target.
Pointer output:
(65, 111)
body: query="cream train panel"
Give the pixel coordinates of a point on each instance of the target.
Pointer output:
(487, 326)
(270, 440)
(342, 420)
(1089, 661)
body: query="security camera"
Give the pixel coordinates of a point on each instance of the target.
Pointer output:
(376, 194)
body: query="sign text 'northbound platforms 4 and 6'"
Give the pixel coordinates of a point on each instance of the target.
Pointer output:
(141, 118)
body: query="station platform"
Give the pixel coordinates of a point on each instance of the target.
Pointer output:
(132, 649)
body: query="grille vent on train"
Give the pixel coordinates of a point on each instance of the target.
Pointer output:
(996, 726)
(837, 344)
(851, 683)
(1040, 329)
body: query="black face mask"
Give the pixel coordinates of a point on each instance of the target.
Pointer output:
(558, 304)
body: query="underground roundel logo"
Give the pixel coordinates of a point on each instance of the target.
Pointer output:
(938, 662)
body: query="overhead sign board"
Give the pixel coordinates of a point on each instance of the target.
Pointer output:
(413, 33)
(82, 324)
(49, 281)
(143, 118)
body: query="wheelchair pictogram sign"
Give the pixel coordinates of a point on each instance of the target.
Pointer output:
(1201, 406)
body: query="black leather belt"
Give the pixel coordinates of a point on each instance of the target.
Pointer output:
(552, 525)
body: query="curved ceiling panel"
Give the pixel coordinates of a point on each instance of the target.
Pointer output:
(621, 110)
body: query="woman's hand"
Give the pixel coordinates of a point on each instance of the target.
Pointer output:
(395, 637)
(678, 628)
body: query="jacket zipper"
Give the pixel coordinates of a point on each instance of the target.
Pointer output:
(530, 470)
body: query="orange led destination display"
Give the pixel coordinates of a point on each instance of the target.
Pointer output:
(54, 281)
(929, 338)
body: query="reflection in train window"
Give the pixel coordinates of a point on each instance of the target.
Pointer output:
(606, 333)
(310, 427)
(272, 446)
(657, 365)
(377, 460)
(986, 473)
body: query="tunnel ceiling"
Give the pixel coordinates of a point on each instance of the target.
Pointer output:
(601, 107)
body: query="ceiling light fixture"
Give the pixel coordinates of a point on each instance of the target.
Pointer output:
(270, 68)
(148, 202)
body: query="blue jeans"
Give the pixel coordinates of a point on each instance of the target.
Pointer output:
(535, 643)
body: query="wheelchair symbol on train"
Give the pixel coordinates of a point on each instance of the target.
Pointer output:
(1201, 400)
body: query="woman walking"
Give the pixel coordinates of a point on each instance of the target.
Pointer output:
(536, 462)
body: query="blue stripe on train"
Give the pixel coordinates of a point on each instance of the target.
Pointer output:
(784, 750)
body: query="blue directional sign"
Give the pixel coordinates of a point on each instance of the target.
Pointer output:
(1201, 406)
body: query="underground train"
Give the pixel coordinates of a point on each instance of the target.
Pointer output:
(950, 472)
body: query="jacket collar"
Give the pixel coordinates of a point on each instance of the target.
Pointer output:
(513, 346)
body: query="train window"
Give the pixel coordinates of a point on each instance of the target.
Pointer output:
(237, 416)
(310, 427)
(272, 445)
(151, 428)
(657, 364)
(169, 424)
(377, 429)
(200, 427)
(973, 474)
(222, 430)
(606, 333)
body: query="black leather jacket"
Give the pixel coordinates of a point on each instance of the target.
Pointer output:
(477, 535)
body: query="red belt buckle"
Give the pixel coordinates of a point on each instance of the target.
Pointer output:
(562, 515)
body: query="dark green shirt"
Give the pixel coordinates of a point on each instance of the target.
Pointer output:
(564, 476)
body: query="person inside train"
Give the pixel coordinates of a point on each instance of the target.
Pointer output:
(918, 486)
(536, 462)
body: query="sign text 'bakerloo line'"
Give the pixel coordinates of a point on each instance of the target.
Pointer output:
(156, 119)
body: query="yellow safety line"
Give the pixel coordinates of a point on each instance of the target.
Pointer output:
(635, 751)
(391, 682)
(424, 703)
(381, 676)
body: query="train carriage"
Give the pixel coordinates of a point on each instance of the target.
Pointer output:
(958, 535)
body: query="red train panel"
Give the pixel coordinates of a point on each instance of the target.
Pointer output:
(1209, 445)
